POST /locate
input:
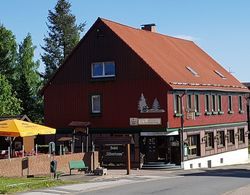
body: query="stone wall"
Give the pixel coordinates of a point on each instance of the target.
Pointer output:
(40, 164)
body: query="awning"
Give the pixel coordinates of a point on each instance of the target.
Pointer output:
(159, 133)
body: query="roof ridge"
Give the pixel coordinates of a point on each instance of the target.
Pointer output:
(146, 31)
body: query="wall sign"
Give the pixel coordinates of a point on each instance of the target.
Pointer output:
(143, 107)
(144, 121)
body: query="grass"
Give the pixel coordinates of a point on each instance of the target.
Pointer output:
(12, 185)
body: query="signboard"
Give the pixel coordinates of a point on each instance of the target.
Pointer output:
(144, 121)
(133, 121)
(149, 121)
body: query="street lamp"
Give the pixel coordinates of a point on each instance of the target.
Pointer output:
(181, 130)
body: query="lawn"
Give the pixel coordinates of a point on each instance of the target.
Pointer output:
(11, 185)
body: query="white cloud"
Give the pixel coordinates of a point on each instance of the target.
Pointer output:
(186, 37)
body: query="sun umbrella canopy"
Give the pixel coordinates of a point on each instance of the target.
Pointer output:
(16, 128)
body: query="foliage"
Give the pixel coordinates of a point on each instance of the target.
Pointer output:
(62, 37)
(11, 185)
(28, 81)
(7, 53)
(9, 104)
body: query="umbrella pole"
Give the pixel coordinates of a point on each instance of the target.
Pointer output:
(9, 152)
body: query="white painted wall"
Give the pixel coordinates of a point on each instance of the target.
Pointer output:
(239, 156)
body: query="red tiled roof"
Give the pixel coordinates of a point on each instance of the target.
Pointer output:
(169, 57)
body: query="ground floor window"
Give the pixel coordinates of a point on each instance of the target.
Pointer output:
(209, 140)
(221, 138)
(193, 145)
(230, 137)
(241, 135)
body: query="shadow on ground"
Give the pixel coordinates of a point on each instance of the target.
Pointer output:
(241, 173)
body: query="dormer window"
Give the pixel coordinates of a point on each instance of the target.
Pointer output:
(102, 69)
(192, 71)
(219, 74)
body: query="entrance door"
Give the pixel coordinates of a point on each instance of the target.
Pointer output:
(151, 150)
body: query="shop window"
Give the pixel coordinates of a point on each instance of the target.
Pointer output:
(209, 140)
(241, 135)
(193, 145)
(177, 105)
(230, 137)
(230, 105)
(221, 138)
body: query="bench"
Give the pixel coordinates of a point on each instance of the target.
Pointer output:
(78, 165)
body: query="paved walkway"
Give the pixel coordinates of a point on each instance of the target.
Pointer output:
(119, 177)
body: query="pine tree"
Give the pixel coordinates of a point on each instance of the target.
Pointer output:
(28, 81)
(62, 37)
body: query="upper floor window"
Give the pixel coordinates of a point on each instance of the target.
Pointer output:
(197, 103)
(96, 104)
(240, 104)
(177, 104)
(219, 99)
(189, 101)
(207, 104)
(230, 104)
(102, 69)
(214, 110)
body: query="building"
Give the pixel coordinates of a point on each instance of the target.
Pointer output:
(139, 83)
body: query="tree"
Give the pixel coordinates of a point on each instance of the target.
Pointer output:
(7, 53)
(28, 81)
(62, 37)
(9, 104)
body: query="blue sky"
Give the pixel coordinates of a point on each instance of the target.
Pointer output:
(220, 27)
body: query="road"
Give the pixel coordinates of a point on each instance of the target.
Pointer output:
(195, 182)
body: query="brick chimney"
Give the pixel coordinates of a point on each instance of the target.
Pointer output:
(149, 27)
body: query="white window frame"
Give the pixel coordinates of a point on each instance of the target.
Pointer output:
(230, 103)
(92, 104)
(240, 99)
(103, 70)
(197, 102)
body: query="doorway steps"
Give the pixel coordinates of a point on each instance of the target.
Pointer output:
(160, 165)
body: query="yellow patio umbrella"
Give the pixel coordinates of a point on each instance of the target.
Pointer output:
(16, 128)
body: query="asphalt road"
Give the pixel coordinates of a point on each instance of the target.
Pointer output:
(211, 182)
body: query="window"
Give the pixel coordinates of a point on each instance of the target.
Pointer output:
(103, 69)
(219, 74)
(219, 99)
(241, 135)
(207, 104)
(230, 137)
(177, 104)
(209, 140)
(240, 105)
(197, 104)
(221, 138)
(189, 101)
(214, 110)
(96, 104)
(192, 71)
(230, 104)
(193, 145)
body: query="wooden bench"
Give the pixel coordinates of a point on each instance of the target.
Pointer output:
(78, 165)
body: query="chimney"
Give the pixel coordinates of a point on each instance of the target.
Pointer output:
(149, 27)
